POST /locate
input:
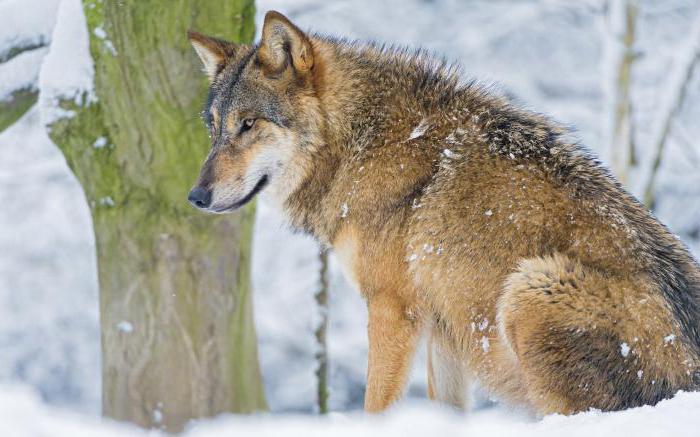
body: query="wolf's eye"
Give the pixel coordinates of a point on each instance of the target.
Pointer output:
(247, 124)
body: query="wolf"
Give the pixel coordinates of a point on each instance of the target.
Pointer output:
(458, 215)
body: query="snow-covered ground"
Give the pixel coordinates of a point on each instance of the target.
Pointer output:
(546, 54)
(22, 414)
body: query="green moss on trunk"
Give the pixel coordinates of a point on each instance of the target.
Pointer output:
(178, 338)
(14, 107)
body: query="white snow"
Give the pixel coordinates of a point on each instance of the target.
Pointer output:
(344, 209)
(669, 338)
(21, 72)
(100, 33)
(100, 143)
(449, 154)
(25, 23)
(157, 415)
(67, 72)
(125, 326)
(49, 328)
(624, 349)
(22, 414)
(488, 212)
(419, 130)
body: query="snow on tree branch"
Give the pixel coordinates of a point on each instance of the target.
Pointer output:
(22, 27)
(20, 73)
(67, 72)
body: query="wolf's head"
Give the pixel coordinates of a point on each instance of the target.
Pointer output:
(262, 110)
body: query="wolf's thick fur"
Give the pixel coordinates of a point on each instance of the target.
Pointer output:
(458, 214)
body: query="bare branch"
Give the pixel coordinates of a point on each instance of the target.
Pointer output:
(675, 94)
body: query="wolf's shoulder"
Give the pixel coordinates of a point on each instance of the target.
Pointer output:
(509, 131)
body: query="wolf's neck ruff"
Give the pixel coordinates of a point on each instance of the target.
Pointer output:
(361, 112)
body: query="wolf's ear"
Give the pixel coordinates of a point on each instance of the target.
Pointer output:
(281, 42)
(213, 52)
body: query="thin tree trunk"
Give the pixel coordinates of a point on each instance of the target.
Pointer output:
(322, 336)
(178, 338)
(621, 19)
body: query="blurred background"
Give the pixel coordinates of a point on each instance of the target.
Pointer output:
(561, 58)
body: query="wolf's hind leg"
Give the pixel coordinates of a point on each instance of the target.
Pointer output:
(447, 379)
(583, 338)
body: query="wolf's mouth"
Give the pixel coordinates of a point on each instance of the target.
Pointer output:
(248, 197)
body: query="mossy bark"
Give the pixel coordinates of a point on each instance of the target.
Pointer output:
(178, 339)
(14, 107)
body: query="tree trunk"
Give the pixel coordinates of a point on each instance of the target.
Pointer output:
(178, 338)
(622, 15)
(321, 334)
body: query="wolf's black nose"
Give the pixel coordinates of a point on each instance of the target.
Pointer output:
(200, 197)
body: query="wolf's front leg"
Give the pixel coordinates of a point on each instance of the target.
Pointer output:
(393, 333)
